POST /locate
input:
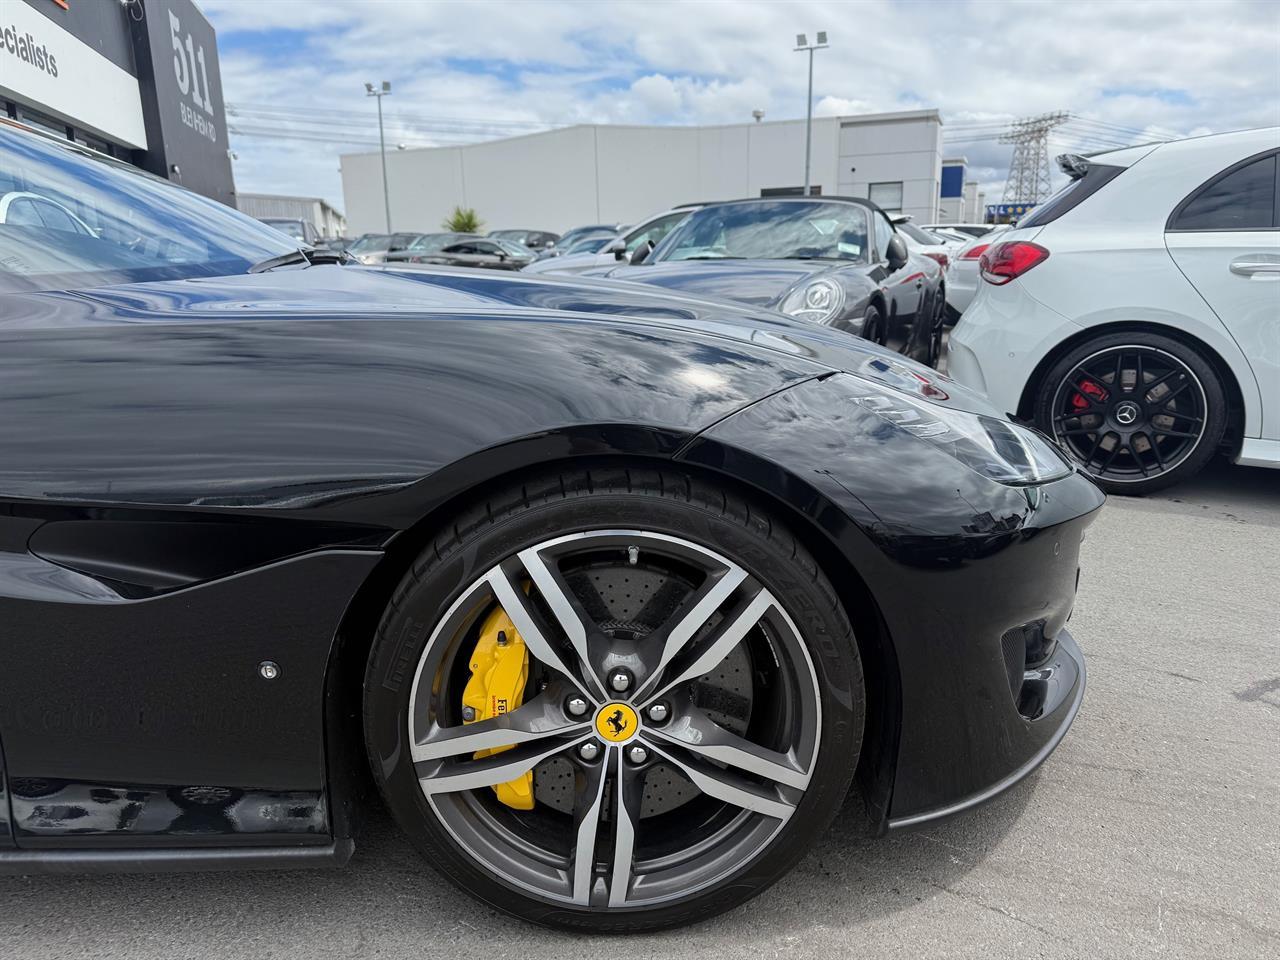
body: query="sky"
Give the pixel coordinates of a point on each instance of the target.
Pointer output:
(293, 71)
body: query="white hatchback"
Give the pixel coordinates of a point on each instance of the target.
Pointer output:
(1135, 316)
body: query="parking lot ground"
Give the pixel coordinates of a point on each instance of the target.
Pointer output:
(1154, 830)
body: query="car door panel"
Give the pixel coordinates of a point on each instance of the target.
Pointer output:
(1238, 275)
(1225, 238)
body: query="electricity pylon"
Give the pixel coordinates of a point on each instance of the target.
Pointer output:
(1028, 181)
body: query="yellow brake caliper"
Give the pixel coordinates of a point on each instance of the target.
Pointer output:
(499, 672)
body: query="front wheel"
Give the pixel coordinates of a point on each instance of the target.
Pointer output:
(1138, 411)
(616, 700)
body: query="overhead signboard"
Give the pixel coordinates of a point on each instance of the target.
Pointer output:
(1005, 211)
(40, 62)
(186, 117)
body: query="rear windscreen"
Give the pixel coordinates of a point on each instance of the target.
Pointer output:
(1074, 193)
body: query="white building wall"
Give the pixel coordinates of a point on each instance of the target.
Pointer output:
(892, 148)
(601, 174)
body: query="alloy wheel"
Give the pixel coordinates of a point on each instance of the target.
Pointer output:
(671, 723)
(1129, 413)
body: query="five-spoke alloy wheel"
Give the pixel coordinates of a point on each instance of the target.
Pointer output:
(683, 734)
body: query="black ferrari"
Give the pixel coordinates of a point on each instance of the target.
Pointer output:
(836, 261)
(617, 595)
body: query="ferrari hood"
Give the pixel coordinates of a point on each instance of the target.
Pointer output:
(410, 293)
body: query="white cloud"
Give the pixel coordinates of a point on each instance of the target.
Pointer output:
(1168, 67)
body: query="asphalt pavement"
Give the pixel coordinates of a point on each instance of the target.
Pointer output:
(1153, 831)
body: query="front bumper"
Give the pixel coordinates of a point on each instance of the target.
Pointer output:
(1058, 687)
(974, 677)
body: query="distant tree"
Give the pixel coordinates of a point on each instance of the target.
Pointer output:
(463, 221)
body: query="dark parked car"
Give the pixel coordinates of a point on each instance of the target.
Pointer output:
(533, 239)
(617, 593)
(482, 252)
(376, 247)
(834, 261)
(427, 244)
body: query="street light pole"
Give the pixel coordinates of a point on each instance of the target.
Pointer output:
(802, 43)
(384, 91)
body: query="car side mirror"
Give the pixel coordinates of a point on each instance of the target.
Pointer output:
(502, 254)
(642, 253)
(896, 253)
(618, 248)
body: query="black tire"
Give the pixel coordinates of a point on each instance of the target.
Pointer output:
(873, 327)
(936, 328)
(1139, 467)
(668, 503)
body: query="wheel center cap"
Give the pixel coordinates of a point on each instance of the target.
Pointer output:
(617, 722)
(1127, 413)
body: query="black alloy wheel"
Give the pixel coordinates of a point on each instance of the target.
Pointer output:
(1137, 412)
(691, 719)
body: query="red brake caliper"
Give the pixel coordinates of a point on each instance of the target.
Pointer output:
(1088, 389)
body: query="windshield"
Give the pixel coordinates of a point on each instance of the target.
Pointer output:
(430, 242)
(590, 244)
(371, 243)
(517, 235)
(770, 230)
(69, 219)
(514, 249)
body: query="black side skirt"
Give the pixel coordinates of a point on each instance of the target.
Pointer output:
(175, 860)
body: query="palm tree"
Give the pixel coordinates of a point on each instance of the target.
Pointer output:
(463, 221)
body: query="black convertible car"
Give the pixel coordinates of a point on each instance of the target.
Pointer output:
(837, 261)
(616, 594)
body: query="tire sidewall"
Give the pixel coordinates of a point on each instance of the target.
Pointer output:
(406, 630)
(1210, 381)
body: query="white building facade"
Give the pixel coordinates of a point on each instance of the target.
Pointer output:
(604, 174)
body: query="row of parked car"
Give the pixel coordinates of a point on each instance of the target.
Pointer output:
(1134, 317)
(1144, 342)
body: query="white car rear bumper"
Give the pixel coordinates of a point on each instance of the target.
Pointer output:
(997, 343)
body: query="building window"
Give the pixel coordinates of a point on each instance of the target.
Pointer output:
(815, 190)
(887, 196)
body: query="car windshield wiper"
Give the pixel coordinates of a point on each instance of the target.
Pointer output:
(310, 257)
(712, 256)
(797, 256)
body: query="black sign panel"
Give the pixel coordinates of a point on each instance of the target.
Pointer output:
(177, 51)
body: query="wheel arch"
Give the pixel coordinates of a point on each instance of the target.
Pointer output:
(1235, 397)
(349, 776)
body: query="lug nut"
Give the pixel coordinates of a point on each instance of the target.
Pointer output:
(576, 706)
(637, 755)
(468, 714)
(659, 712)
(589, 750)
(620, 680)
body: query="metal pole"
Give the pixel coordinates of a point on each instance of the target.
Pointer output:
(808, 125)
(386, 191)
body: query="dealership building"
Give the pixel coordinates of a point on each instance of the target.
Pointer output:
(611, 173)
(135, 79)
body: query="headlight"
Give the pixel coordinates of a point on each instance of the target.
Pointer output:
(998, 449)
(817, 301)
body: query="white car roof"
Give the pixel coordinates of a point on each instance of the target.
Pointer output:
(1160, 176)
